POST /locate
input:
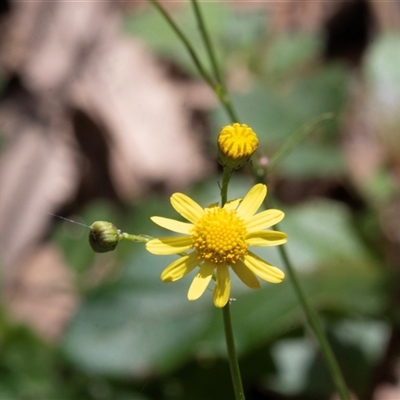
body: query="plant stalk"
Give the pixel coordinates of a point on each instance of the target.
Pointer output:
(233, 360)
(316, 327)
(186, 43)
(221, 90)
(226, 176)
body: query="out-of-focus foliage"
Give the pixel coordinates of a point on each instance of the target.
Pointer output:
(135, 337)
(232, 32)
(31, 369)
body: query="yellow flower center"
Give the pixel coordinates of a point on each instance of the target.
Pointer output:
(237, 141)
(220, 236)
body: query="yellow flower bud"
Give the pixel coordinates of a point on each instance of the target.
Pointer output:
(103, 236)
(236, 144)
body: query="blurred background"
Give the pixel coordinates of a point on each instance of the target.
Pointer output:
(103, 116)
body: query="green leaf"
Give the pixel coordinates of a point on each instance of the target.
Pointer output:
(286, 53)
(382, 71)
(136, 324)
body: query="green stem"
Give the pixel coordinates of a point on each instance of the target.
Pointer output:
(233, 360)
(207, 42)
(220, 90)
(311, 315)
(135, 238)
(260, 174)
(316, 327)
(230, 343)
(186, 42)
(226, 177)
(298, 137)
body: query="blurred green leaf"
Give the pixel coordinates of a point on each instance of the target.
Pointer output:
(137, 324)
(293, 356)
(31, 369)
(25, 365)
(382, 71)
(353, 363)
(380, 188)
(313, 160)
(287, 53)
(358, 344)
(295, 140)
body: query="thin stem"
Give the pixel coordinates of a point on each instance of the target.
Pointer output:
(312, 318)
(316, 327)
(226, 103)
(233, 360)
(187, 44)
(298, 137)
(207, 42)
(220, 90)
(134, 238)
(230, 342)
(226, 176)
(261, 175)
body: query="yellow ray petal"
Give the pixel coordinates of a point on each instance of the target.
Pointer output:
(187, 207)
(222, 287)
(263, 269)
(266, 238)
(179, 268)
(172, 224)
(232, 205)
(263, 220)
(252, 201)
(246, 275)
(169, 245)
(201, 281)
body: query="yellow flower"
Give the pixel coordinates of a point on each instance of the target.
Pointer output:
(236, 144)
(220, 238)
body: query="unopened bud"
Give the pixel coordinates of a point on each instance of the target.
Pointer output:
(236, 144)
(103, 236)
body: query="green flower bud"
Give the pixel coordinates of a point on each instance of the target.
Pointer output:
(103, 236)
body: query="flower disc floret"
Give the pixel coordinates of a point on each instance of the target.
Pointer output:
(219, 236)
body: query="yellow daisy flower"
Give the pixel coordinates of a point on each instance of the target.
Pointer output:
(220, 238)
